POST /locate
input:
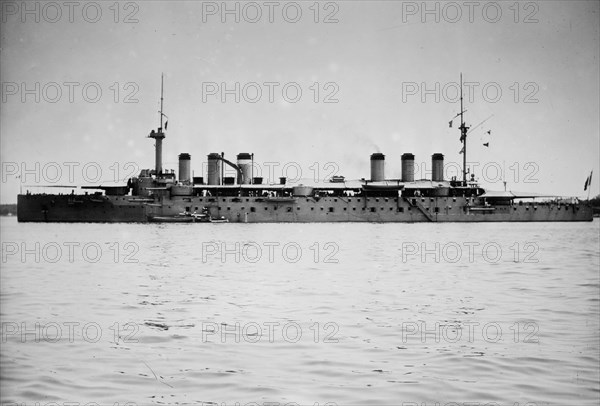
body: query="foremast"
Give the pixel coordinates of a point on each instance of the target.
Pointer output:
(159, 135)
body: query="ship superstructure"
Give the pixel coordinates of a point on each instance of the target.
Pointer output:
(157, 195)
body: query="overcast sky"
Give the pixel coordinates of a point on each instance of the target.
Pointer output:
(388, 70)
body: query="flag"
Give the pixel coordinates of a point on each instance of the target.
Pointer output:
(588, 181)
(462, 150)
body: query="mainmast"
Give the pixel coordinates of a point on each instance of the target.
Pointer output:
(159, 135)
(162, 81)
(463, 134)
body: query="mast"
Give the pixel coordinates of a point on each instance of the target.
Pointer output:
(159, 135)
(463, 133)
(162, 80)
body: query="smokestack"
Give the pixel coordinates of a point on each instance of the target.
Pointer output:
(408, 167)
(244, 162)
(184, 167)
(377, 167)
(214, 169)
(437, 164)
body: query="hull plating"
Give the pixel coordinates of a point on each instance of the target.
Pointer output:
(84, 208)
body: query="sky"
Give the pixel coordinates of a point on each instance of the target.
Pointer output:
(311, 88)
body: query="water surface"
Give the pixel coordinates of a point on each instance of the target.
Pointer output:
(370, 314)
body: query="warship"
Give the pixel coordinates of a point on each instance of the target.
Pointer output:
(157, 195)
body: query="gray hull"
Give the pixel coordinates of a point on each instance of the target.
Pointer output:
(79, 208)
(84, 208)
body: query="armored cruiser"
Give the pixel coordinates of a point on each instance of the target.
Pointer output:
(156, 195)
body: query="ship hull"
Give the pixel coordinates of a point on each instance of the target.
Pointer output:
(84, 208)
(79, 208)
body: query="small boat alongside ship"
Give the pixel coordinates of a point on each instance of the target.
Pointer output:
(170, 219)
(157, 196)
(187, 217)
